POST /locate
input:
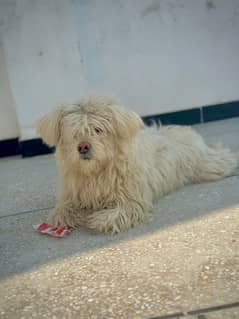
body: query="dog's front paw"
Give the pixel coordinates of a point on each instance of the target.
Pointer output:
(61, 218)
(107, 221)
(56, 218)
(66, 216)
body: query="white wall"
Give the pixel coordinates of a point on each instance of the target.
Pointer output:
(162, 55)
(41, 45)
(156, 55)
(8, 118)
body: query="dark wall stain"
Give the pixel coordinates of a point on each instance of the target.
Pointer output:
(40, 53)
(79, 49)
(210, 5)
(152, 8)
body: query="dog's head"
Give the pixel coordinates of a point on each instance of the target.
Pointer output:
(89, 134)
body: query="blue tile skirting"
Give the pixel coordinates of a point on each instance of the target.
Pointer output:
(203, 114)
(220, 111)
(34, 147)
(187, 117)
(9, 147)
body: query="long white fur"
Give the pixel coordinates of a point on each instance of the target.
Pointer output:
(131, 165)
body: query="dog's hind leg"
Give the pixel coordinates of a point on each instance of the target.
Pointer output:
(216, 163)
(116, 220)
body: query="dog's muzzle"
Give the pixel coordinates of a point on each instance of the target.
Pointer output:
(84, 150)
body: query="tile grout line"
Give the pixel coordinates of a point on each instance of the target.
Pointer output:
(201, 116)
(26, 212)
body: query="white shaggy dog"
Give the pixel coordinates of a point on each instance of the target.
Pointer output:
(112, 168)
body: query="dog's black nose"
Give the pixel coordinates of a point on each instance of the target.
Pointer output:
(84, 147)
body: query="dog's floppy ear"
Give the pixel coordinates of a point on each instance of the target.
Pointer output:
(127, 123)
(49, 127)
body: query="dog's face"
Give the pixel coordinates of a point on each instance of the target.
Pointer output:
(90, 134)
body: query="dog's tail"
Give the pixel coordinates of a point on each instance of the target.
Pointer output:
(237, 155)
(217, 162)
(215, 146)
(218, 146)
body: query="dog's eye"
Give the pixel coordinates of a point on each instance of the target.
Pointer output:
(98, 130)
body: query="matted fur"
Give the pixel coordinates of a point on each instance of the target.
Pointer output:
(129, 166)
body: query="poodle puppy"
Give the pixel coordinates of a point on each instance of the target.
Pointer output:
(112, 168)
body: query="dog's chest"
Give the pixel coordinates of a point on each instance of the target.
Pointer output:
(94, 194)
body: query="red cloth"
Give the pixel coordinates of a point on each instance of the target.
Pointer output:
(47, 229)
